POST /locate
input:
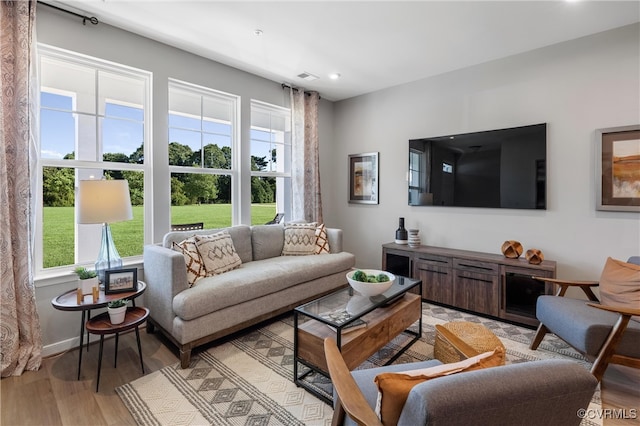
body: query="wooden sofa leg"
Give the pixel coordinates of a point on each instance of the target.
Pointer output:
(537, 339)
(185, 357)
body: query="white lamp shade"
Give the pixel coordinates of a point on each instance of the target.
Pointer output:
(104, 201)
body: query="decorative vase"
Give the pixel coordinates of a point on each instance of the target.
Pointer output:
(88, 285)
(401, 233)
(414, 238)
(116, 315)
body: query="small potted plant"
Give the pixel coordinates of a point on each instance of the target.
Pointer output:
(117, 310)
(88, 279)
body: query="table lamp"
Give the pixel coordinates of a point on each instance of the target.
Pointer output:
(104, 201)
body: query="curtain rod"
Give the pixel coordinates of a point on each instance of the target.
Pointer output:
(85, 18)
(295, 89)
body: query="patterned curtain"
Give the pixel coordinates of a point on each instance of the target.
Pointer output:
(20, 334)
(305, 170)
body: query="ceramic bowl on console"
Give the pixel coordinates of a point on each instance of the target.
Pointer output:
(371, 288)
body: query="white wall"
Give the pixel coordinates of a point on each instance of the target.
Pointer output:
(575, 87)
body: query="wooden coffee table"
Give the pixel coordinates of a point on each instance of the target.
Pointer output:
(386, 316)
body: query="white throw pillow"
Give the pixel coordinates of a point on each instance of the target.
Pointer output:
(218, 253)
(322, 241)
(192, 259)
(299, 239)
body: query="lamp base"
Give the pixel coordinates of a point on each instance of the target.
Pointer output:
(108, 257)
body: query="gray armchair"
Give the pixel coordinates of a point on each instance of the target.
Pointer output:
(604, 334)
(532, 393)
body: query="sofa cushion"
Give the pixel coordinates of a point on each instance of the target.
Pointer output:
(256, 279)
(218, 253)
(322, 240)
(299, 239)
(192, 259)
(620, 285)
(394, 388)
(267, 241)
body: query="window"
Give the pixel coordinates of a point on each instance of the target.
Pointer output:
(202, 146)
(270, 162)
(93, 123)
(415, 176)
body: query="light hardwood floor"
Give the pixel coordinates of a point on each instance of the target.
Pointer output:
(53, 396)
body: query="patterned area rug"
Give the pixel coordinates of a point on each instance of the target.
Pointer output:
(249, 380)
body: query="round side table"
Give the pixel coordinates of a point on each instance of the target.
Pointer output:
(102, 326)
(69, 302)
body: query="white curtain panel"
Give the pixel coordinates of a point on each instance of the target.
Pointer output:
(297, 153)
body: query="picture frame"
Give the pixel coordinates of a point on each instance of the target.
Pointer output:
(120, 280)
(363, 178)
(618, 168)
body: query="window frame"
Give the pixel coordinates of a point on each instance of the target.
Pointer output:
(41, 273)
(234, 172)
(267, 108)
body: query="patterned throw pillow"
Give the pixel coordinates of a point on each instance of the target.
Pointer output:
(192, 259)
(218, 253)
(322, 241)
(299, 239)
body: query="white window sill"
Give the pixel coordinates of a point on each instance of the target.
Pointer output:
(56, 276)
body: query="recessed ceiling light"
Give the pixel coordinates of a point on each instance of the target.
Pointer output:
(334, 76)
(308, 76)
(257, 32)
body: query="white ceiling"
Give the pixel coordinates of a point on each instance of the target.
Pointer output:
(372, 44)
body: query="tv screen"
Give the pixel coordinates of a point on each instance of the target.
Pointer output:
(503, 168)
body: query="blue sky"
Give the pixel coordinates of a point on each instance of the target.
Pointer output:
(123, 129)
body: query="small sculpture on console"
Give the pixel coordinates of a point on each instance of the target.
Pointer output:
(534, 256)
(512, 249)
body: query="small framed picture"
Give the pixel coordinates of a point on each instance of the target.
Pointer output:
(120, 280)
(618, 169)
(363, 178)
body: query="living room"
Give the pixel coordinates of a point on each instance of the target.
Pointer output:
(575, 87)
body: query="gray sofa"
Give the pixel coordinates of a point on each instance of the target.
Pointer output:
(264, 286)
(549, 392)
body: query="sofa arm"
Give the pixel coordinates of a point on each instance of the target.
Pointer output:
(531, 393)
(335, 239)
(165, 273)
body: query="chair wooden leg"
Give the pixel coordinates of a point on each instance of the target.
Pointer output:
(338, 413)
(608, 348)
(537, 339)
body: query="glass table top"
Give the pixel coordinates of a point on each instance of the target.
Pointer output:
(347, 305)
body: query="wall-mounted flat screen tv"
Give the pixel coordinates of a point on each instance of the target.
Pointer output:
(505, 168)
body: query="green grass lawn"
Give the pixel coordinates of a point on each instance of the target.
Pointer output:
(129, 236)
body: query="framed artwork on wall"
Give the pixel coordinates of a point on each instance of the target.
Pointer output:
(120, 280)
(618, 168)
(363, 178)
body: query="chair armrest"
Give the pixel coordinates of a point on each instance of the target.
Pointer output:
(565, 284)
(618, 309)
(458, 344)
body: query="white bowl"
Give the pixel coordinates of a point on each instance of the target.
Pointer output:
(371, 289)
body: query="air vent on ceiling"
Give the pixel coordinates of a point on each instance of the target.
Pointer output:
(308, 76)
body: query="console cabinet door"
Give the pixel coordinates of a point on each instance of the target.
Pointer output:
(437, 282)
(476, 292)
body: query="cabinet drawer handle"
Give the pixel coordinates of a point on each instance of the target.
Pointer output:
(484, 268)
(475, 279)
(433, 260)
(435, 272)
